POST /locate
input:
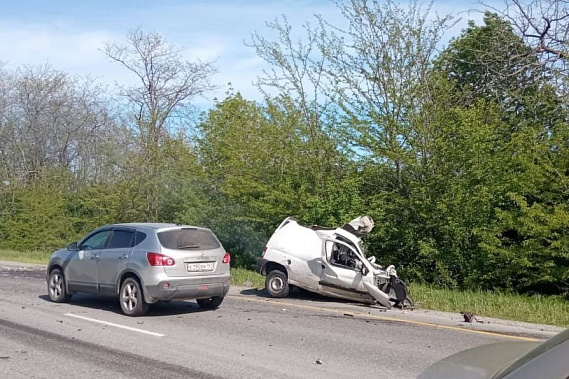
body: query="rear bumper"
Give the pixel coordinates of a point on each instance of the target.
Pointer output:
(260, 268)
(189, 288)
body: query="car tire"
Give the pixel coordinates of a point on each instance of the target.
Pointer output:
(276, 284)
(56, 289)
(408, 303)
(211, 302)
(131, 298)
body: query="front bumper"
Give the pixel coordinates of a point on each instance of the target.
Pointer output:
(189, 288)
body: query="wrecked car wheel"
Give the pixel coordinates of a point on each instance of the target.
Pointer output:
(210, 303)
(276, 284)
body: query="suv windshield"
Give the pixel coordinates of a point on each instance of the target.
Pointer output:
(188, 238)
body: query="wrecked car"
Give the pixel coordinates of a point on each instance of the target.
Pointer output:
(330, 262)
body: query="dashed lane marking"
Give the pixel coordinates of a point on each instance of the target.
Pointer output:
(114, 325)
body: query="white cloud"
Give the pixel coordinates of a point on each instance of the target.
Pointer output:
(74, 51)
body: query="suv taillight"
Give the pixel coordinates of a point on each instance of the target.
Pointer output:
(226, 258)
(155, 259)
(264, 251)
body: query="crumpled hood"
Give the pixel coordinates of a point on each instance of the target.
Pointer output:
(478, 363)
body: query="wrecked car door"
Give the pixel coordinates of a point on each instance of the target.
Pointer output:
(341, 269)
(345, 273)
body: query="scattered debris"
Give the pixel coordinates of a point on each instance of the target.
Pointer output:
(348, 314)
(470, 316)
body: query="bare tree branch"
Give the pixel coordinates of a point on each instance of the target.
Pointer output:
(168, 83)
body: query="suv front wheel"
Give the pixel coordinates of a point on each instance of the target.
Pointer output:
(276, 284)
(56, 287)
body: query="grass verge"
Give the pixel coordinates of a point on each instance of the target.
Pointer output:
(37, 257)
(537, 309)
(553, 310)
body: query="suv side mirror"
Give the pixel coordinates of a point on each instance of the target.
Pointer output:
(365, 271)
(72, 246)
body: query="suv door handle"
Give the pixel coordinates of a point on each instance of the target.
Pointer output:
(123, 257)
(95, 256)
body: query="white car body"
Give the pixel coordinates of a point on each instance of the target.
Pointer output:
(328, 261)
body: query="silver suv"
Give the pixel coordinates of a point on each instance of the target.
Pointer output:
(142, 263)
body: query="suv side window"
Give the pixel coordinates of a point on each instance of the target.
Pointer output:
(121, 239)
(140, 236)
(96, 241)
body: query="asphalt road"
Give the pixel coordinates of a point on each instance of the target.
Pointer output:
(249, 336)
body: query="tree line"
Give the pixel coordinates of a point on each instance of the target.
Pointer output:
(460, 153)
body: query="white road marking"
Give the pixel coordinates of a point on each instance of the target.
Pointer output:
(115, 325)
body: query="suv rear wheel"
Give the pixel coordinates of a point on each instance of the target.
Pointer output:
(132, 299)
(276, 284)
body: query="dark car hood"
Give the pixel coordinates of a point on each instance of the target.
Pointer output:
(479, 362)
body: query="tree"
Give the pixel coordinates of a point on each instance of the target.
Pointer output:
(544, 27)
(379, 66)
(492, 62)
(495, 170)
(167, 83)
(158, 106)
(49, 119)
(258, 169)
(297, 72)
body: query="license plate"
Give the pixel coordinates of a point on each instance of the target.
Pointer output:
(201, 266)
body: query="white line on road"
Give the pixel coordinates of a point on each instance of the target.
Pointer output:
(115, 325)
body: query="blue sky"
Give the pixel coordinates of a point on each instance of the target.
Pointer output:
(69, 34)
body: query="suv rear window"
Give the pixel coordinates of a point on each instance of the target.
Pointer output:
(188, 239)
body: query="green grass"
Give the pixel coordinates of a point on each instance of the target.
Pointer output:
(537, 309)
(553, 310)
(38, 257)
(242, 277)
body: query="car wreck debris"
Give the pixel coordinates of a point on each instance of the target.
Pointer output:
(470, 316)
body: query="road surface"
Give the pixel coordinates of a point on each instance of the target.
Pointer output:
(249, 336)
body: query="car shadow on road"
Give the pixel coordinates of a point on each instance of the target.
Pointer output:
(111, 304)
(301, 294)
